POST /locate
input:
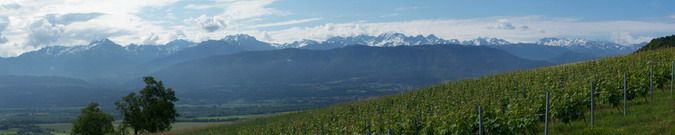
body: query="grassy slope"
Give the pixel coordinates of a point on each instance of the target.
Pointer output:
(652, 118)
(657, 117)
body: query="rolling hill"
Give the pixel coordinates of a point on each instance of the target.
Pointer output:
(659, 43)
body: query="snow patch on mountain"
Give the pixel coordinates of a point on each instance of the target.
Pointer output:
(486, 41)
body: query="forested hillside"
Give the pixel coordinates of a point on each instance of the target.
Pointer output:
(659, 43)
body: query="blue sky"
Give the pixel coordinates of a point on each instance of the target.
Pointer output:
(371, 10)
(32, 24)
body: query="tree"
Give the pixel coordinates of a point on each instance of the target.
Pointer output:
(151, 110)
(92, 121)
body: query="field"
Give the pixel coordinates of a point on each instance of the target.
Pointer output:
(64, 128)
(182, 124)
(510, 103)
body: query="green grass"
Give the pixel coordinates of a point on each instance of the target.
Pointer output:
(653, 118)
(224, 118)
(64, 128)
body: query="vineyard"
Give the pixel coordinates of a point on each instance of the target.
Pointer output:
(509, 103)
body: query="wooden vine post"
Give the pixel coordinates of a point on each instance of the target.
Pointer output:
(592, 103)
(625, 87)
(546, 114)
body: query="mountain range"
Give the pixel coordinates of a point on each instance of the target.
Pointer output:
(557, 49)
(240, 67)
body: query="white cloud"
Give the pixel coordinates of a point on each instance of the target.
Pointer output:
(9, 6)
(4, 21)
(69, 18)
(627, 38)
(284, 23)
(247, 9)
(37, 23)
(236, 13)
(43, 33)
(209, 23)
(504, 24)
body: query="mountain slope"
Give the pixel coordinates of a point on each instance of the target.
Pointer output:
(344, 72)
(46, 91)
(99, 59)
(532, 51)
(228, 45)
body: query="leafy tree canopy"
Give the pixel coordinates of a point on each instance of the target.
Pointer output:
(92, 121)
(150, 110)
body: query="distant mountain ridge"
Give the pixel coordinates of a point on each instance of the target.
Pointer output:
(398, 39)
(554, 50)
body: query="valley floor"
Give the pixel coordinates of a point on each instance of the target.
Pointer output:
(64, 128)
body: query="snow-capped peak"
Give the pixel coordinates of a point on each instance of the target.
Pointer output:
(389, 39)
(486, 41)
(562, 42)
(578, 42)
(298, 44)
(104, 41)
(238, 37)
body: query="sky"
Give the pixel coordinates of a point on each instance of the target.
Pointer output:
(27, 25)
